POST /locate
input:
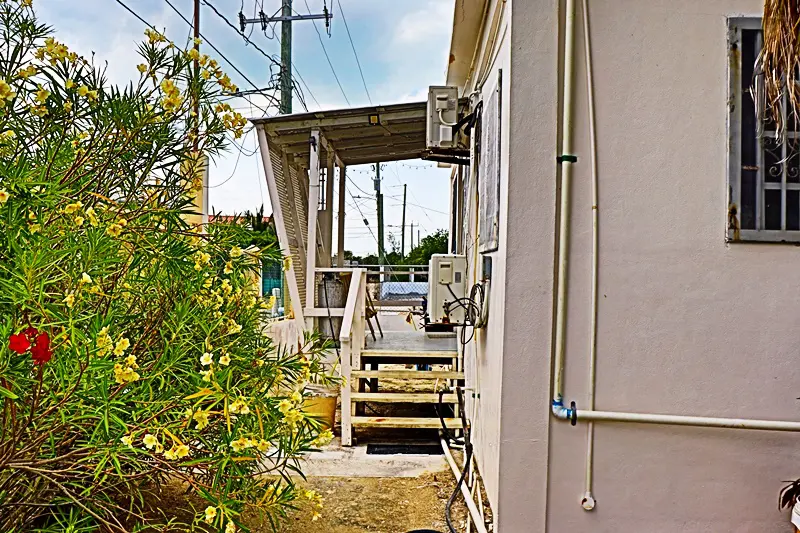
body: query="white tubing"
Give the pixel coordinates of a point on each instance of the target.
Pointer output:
(680, 420)
(588, 498)
(563, 219)
(474, 513)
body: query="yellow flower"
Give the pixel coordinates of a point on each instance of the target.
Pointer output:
(69, 84)
(236, 252)
(26, 3)
(230, 528)
(92, 95)
(114, 230)
(228, 267)
(5, 91)
(83, 90)
(159, 448)
(239, 407)
(207, 374)
(284, 406)
(70, 300)
(142, 67)
(197, 41)
(193, 54)
(127, 440)
(67, 106)
(211, 514)
(86, 278)
(239, 444)
(79, 221)
(122, 345)
(262, 445)
(4, 196)
(154, 36)
(206, 359)
(71, 208)
(150, 441)
(35, 228)
(104, 342)
(27, 72)
(225, 360)
(201, 417)
(131, 361)
(323, 439)
(315, 516)
(170, 454)
(297, 397)
(42, 95)
(125, 375)
(92, 216)
(181, 451)
(206, 75)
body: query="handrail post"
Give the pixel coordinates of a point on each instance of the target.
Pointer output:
(347, 423)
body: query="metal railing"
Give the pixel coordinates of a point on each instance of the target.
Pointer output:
(397, 285)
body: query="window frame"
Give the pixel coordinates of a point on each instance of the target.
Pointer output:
(734, 174)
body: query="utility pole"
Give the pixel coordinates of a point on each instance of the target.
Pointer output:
(403, 225)
(411, 234)
(196, 103)
(379, 198)
(286, 19)
(286, 59)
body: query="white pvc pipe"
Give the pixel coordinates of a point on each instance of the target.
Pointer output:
(588, 501)
(680, 420)
(474, 513)
(563, 220)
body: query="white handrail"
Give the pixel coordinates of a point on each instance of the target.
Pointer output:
(352, 329)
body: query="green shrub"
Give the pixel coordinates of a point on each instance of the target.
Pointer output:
(132, 354)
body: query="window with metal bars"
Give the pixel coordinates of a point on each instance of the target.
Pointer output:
(764, 167)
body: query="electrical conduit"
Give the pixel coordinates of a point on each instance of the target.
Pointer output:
(558, 408)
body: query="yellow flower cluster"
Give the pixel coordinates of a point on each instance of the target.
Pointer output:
(55, 51)
(201, 259)
(178, 451)
(115, 229)
(239, 407)
(316, 498)
(201, 418)
(154, 36)
(234, 122)
(27, 72)
(6, 93)
(291, 414)
(244, 443)
(104, 342)
(323, 439)
(85, 92)
(210, 514)
(172, 100)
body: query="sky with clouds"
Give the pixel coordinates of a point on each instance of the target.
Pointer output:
(402, 46)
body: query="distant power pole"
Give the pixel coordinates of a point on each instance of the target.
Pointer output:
(411, 234)
(379, 198)
(286, 18)
(403, 225)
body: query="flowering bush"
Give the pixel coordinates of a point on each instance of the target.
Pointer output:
(131, 349)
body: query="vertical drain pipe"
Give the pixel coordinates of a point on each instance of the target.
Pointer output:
(588, 502)
(566, 160)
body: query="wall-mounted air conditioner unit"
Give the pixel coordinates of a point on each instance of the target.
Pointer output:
(442, 116)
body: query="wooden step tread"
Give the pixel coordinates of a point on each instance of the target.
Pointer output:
(402, 397)
(398, 422)
(408, 374)
(439, 354)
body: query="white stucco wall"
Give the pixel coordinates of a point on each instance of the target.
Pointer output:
(687, 323)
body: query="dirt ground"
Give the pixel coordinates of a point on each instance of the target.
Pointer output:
(375, 505)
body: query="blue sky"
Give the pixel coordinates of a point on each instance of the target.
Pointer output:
(403, 48)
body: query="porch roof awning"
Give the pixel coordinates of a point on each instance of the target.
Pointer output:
(357, 136)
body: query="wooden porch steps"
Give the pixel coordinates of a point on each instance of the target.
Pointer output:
(407, 374)
(401, 422)
(402, 397)
(390, 354)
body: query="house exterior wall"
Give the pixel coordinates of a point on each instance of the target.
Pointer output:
(483, 358)
(687, 324)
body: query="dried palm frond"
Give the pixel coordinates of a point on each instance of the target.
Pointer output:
(776, 89)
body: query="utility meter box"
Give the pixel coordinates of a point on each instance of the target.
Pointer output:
(442, 115)
(447, 280)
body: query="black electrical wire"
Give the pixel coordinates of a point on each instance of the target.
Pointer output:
(465, 469)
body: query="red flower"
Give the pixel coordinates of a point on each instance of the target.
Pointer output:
(18, 343)
(30, 332)
(40, 352)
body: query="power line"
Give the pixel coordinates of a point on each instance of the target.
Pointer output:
(325, 51)
(267, 55)
(221, 55)
(353, 46)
